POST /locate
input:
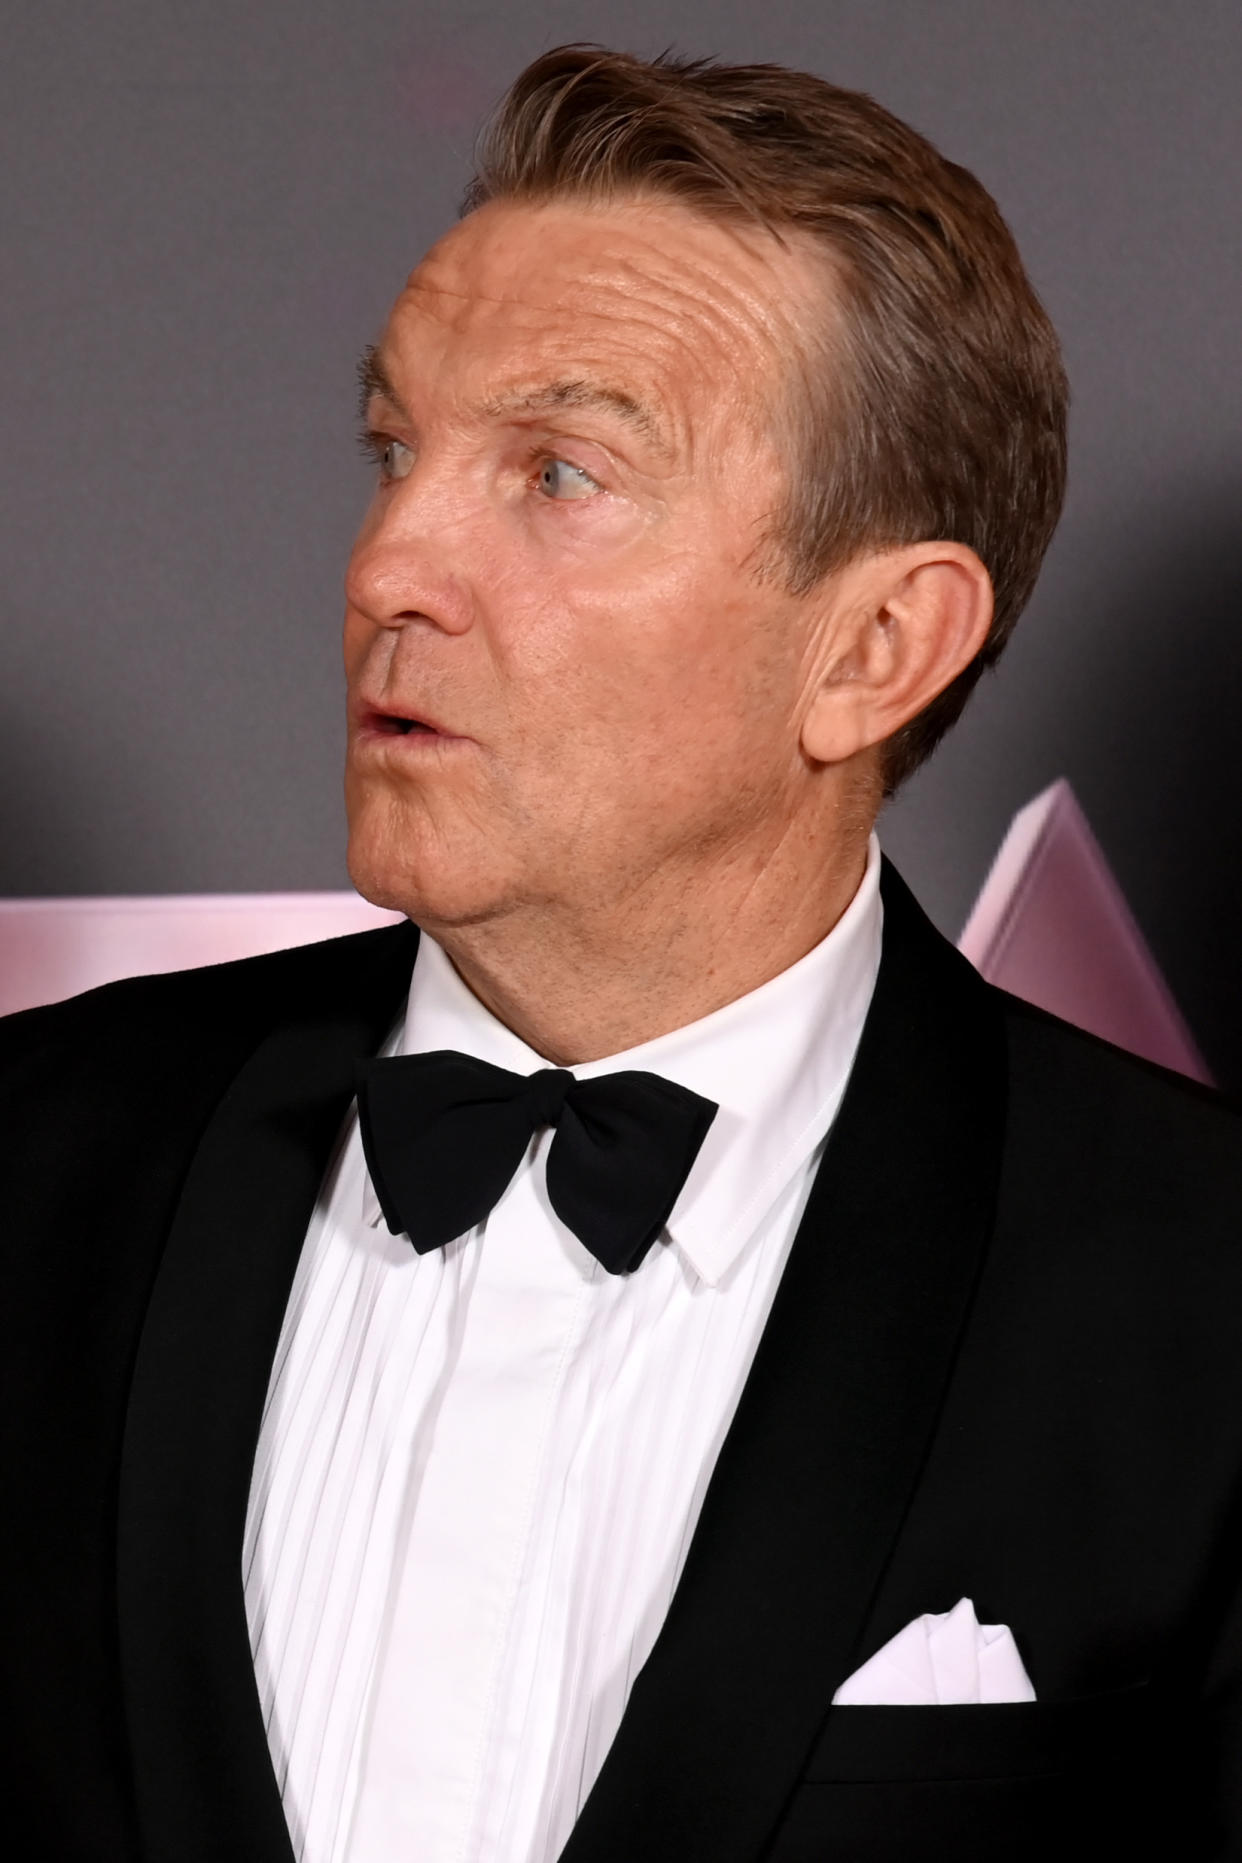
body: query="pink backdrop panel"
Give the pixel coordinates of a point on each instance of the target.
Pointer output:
(51, 948)
(1052, 926)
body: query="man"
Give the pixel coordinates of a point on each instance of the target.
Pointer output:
(712, 1277)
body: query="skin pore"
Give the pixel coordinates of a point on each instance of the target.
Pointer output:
(596, 748)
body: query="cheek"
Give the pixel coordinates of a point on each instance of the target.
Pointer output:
(690, 639)
(655, 696)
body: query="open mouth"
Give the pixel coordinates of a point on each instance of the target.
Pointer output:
(372, 722)
(389, 726)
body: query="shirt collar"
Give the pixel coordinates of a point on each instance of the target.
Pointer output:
(776, 1062)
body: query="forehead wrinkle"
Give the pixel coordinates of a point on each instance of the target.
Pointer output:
(736, 345)
(698, 299)
(697, 289)
(645, 299)
(563, 385)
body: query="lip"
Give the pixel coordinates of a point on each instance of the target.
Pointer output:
(410, 728)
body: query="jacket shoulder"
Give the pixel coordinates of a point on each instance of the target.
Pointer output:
(1040, 1041)
(1100, 1127)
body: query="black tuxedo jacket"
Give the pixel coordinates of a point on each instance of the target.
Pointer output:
(1004, 1362)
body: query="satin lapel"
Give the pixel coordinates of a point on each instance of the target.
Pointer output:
(204, 1782)
(832, 1430)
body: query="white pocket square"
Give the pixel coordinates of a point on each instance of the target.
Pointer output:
(944, 1661)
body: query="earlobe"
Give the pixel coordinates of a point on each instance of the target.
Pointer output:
(920, 616)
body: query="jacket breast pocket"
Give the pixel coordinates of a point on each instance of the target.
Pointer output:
(992, 1784)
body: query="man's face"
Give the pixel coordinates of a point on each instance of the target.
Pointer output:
(569, 687)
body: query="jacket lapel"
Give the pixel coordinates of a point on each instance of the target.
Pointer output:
(204, 1782)
(832, 1430)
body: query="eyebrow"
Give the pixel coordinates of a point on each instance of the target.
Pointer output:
(578, 393)
(374, 379)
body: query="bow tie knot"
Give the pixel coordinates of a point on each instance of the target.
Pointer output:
(444, 1133)
(547, 1090)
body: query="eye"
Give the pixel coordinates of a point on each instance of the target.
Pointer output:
(395, 459)
(558, 479)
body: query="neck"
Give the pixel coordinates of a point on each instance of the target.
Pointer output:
(577, 985)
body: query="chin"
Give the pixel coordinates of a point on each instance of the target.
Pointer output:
(435, 887)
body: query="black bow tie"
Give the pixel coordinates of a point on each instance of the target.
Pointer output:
(444, 1134)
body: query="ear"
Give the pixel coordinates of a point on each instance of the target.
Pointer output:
(899, 627)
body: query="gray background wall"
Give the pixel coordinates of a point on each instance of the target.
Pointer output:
(207, 209)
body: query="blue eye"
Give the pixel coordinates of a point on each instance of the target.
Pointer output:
(558, 479)
(395, 460)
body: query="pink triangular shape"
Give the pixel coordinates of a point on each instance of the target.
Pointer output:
(1052, 925)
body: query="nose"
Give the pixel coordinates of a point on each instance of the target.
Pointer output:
(411, 559)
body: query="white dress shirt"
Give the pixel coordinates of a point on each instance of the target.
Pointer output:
(479, 1469)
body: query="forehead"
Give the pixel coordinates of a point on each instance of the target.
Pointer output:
(651, 295)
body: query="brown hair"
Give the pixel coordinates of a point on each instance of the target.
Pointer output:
(945, 417)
